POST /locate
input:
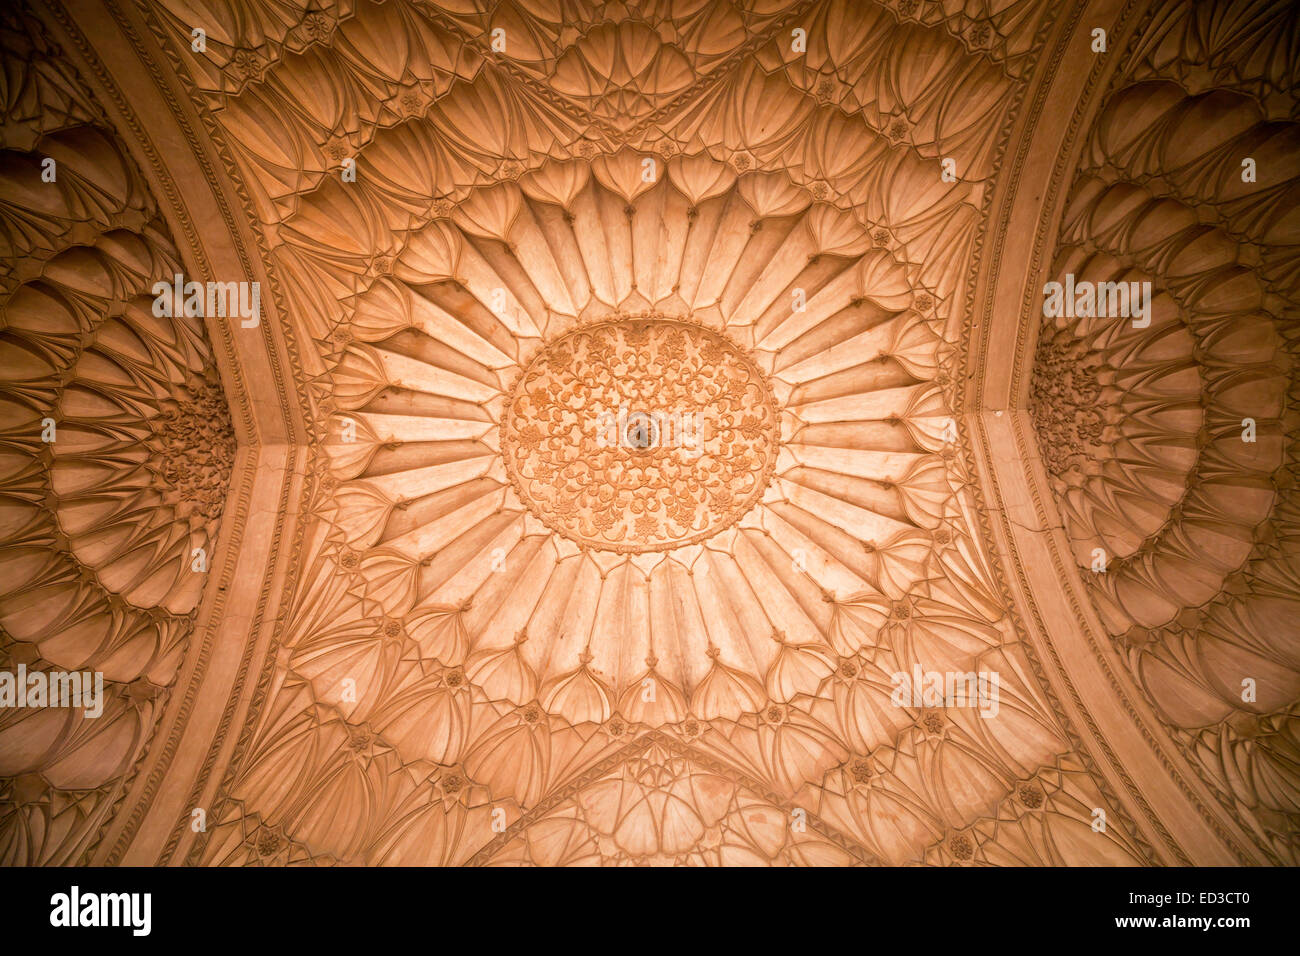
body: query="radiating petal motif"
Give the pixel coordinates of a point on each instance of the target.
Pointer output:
(632, 510)
(117, 450)
(1167, 438)
(491, 338)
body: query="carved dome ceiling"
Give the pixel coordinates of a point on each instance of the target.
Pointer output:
(638, 390)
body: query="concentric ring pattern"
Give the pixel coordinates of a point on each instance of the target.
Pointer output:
(635, 472)
(1172, 447)
(116, 451)
(454, 652)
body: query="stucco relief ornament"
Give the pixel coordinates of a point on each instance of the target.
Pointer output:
(193, 446)
(247, 65)
(704, 414)
(318, 26)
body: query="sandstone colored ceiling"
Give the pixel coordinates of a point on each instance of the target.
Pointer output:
(1142, 430)
(442, 623)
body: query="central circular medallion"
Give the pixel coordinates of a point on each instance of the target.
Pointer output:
(640, 434)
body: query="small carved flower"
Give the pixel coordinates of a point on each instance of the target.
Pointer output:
(691, 728)
(349, 560)
(532, 713)
(587, 149)
(861, 769)
(774, 714)
(923, 303)
(268, 843)
(665, 148)
(908, 7)
(848, 669)
(336, 149)
(932, 722)
(902, 610)
(247, 65)
(411, 102)
(512, 169)
(452, 782)
(742, 162)
(979, 34)
(454, 678)
(1030, 796)
(824, 89)
(359, 741)
(316, 25)
(880, 237)
(442, 208)
(942, 536)
(616, 727)
(382, 265)
(392, 628)
(961, 847)
(898, 129)
(646, 525)
(820, 191)
(751, 427)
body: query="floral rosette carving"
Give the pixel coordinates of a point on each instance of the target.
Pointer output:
(708, 466)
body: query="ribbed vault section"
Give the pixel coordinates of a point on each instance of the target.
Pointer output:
(1172, 448)
(508, 643)
(116, 450)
